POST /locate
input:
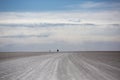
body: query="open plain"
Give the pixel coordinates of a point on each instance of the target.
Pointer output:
(60, 66)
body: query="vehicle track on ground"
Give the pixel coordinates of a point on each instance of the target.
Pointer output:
(59, 66)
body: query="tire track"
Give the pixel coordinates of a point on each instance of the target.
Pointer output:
(61, 66)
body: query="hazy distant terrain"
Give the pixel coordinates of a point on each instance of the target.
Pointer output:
(60, 66)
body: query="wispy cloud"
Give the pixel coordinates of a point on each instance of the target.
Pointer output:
(73, 17)
(23, 36)
(62, 29)
(96, 5)
(72, 34)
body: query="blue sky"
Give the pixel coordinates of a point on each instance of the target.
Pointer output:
(42, 5)
(35, 5)
(41, 25)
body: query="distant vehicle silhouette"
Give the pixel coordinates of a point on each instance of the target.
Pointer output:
(57, 50)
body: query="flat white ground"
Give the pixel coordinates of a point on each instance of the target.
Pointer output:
(62, 66)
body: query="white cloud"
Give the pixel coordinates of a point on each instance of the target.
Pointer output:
(65, 27)
(73, 34)
(93, 4)
(103, 17)
(96, 5)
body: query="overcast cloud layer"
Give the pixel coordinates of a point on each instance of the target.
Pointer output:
(66, 30)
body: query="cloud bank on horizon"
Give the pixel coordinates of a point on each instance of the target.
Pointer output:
(38, 25)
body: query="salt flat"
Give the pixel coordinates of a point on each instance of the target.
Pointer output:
(62, 66)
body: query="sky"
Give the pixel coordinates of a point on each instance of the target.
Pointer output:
(68, 25)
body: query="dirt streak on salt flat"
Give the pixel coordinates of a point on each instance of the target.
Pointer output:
(62, 66)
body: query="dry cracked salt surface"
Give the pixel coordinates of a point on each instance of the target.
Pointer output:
(63, 66)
